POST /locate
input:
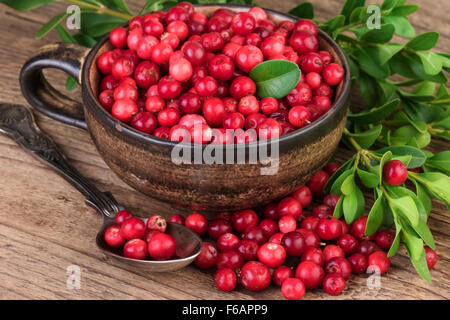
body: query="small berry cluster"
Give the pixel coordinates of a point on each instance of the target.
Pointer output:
(170, 71)
(140, 240)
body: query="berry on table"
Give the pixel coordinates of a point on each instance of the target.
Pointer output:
(225, 279)
(293, 289)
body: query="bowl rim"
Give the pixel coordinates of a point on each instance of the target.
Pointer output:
(136, 135)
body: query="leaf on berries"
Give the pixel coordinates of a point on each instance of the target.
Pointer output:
(418, 156)
(368, 179)
(375, 217)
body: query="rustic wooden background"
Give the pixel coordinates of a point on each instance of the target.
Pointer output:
(45, 227)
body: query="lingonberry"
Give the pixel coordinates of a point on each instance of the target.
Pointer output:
(348, 243)
(248, 249)
(322, 211)
(307, 25)
(153, 28)
(190, 120)
(176, 13)
(270, 211)
(197, 223)
(332, 251)
(287, 224)
(206, 86)
(134, 38)
(300, 95)
(333, 284)
(303, 195)
(395, 173)
(280, 274)
(146, 74)
(303, 42)
(358, 263)
(207, 257)
(329, 228)
(254, 276)
(339, 266)
(311, 238)
(201, 133)
(171, 39)
(162, 246)
(323, 90)
(254, 120)
(169, 88)
(168, 117)
(113, 237)
(378, 262)
(190, 102)
(181, 69)
(367, 247)
(244, 219)
(118, 37)
(108, 83)
(287, 25)
(121, 216)
(217, 24)
(258, 13)
(233, 120)
(268, 227)
(225, 279)
(314, 255)
(253, 39)
(311, 62)
(123, 67)
(161, 53)
(223, 215)
(232, 259)
(212, 41)
(272, 254)
(293, 289)
(157, 222)
(333, 74)
(248, 105)
(313, 79)
(331, 168)
(218, 227)
(247, 57)
(310, 273)
(272, 46)
(289, 206)
(431, 257)
(135, 249)
(179, 28)
(310, 223)
(145, 46)
(133, 228)
(242, 86)
(294, 243)
(154, 104)
(243, 23)
(256, 234)
(221, 67)
(326, 57)
(299, 116)
(106, 99)
(276, 238)
(149, 235)
(268, 105)
(214, 111)
(317, 182)
(162, 133)
(136, 22)
(331, 200)
(125, 91)
(358, 229)
(322, 102)
(227, 242)
(188, 7)
(384, 239)
(176, 218)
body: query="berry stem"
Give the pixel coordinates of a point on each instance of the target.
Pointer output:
(352, 141)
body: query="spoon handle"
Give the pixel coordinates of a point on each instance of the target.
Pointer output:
(17, 122)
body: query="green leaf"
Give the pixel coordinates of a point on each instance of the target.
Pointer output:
(23, 5)
(401, 25)
(353, 205)
(375, 114)
(388, 4)
(404, 134)
(387, 51)
(96, 25)
(432, 63)
(367, 138)
(275, 78)
(49, 26)
(382, 35)
(333, 24)
(368, 179)
(368, 64)
(85, 40)
(348, 186)
(424, 197)
(424, 88)
(64, 34)
(384, 158)
(336, 175)
(349, 7)
(396, 243)
(416, 252)
(368, 86)
(424, 41)
(303, 10)
(375, 218)
(405, 10)
(123, 6)
(338, 212)
(337, 184)
(406, 207)
(71, 83)
(440, 161)
(436, 183)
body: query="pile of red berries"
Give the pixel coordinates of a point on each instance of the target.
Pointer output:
(140, 240)
(170, 71)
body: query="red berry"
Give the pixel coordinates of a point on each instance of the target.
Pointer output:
(311, 238)
(384, 239)
(179, 28)
(227, 242)
(331, 200)
(379, 262)
(332, 251)
(162, 246)
(326, 57)
(181, 69)
(317, 182)
(146, 74)
(156, 222)
(348, 243)
(268, 227)
(243, 23)
(133, 228)
(331, 168)
(268, 105)
(225, 279)
(118, 37)
(322, 211)
(256, 234)
(154, 104)
(197, 223)
(190, 103)
(323, 103)
(280, 274)
(232, 259)
(358, 229)
(212, 41)
(242, 86)
(313, 79)
(395, 173)
(144, 122)
(303, 42)
(161, 53)
(244, 219)
(207, 257)
(314, 255)
(294, 243)
(358, 263)
(367, 247)
(121, 216)
(272, 254)
(431, 257)
(303, 195)
(310, 273)
(135, 249)
(248, 105)
(190, 120)
(162, 133)
(254, 120)
(333, 74)
(293, 289)
(307, 25)
(168, 117)
(145, 46)
(134, 38)
(329, 228)
(106, 61)
(176, 218)
(287, 224)
(124, 109)
(271, 211)
(113, 237)
(153, 28)
(218, 227)
(221, 67)
(272, 47)
(289, 207)
(299, 116)
(169, 88)
(177, 13)
(248, 57)
(149, 235)
(310, 223)
(333, 284)
(339, 266)
(248, 249)
(255, 276)
(206, 86)
(214, 111)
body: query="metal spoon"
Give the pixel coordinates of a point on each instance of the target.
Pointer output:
(17, 122)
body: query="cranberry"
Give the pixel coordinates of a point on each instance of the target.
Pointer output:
(153, 28)
(384, 239)
(218, 227)
(232, 259)
(332, 251)
(268, 105)
(206, 86)
(314, 255)
(287, 224)
(333, 74)
(248, 249)
(197, 223)
(190, 102)
(181, 69)
(144, 122)
(270, 211)
(358, 263)
(310, 273)
(258, 13)
(106, 99)
(135, 249)
(136, 22)
(395, 173)
(367, 247)
(176, 218)
(379, 262)
(299, 116)
(303, 42)
(339, 266)
(311, 62)
(169, 88)
(113, 237)
(271, 254)
(323, 103)
(243, 23)
(168, 117)
(179, 28)
(207, 257)
(431, 257)
(358, 229)
(121, 216)
(233, 120)
(300, 95)
(247, 57)
(161, 53)
(317, 182)
(123, 67)
(307, 25)
(149, 235)
(225, 279)
(254, 120)
(162, 133)
(244, 219)
(156, 222)
(310, 223)
(322, 211)
(134, 37)
(311, 238)
(212, 41)
(294, 243)
(162, 247)
(189, 120)
(293, 289)
(276, 238)
(106, 61)
(333, 284)
(324, 90)
(241, 87)
(248, 105)
(176, 13)
(214, 111)
(227, 242)
(268, 227)
(280, 274)
(145, 46)
(118, 37)
(348, 243)
(125, 91)
(255, 276)
(313, 79)
(272, 46)
(154, 104)
(331, 200)
(329, 228)
(221, 67)
(256, 234)
(253, 39)
(303, 195)
(108, 83)
(133, 228)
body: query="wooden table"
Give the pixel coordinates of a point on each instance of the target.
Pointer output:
(45, 227)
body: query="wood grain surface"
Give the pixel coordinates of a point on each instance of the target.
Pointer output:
(45, 227)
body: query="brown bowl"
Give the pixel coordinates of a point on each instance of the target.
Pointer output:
(144, 161)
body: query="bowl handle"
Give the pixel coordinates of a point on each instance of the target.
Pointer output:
(68, 57)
